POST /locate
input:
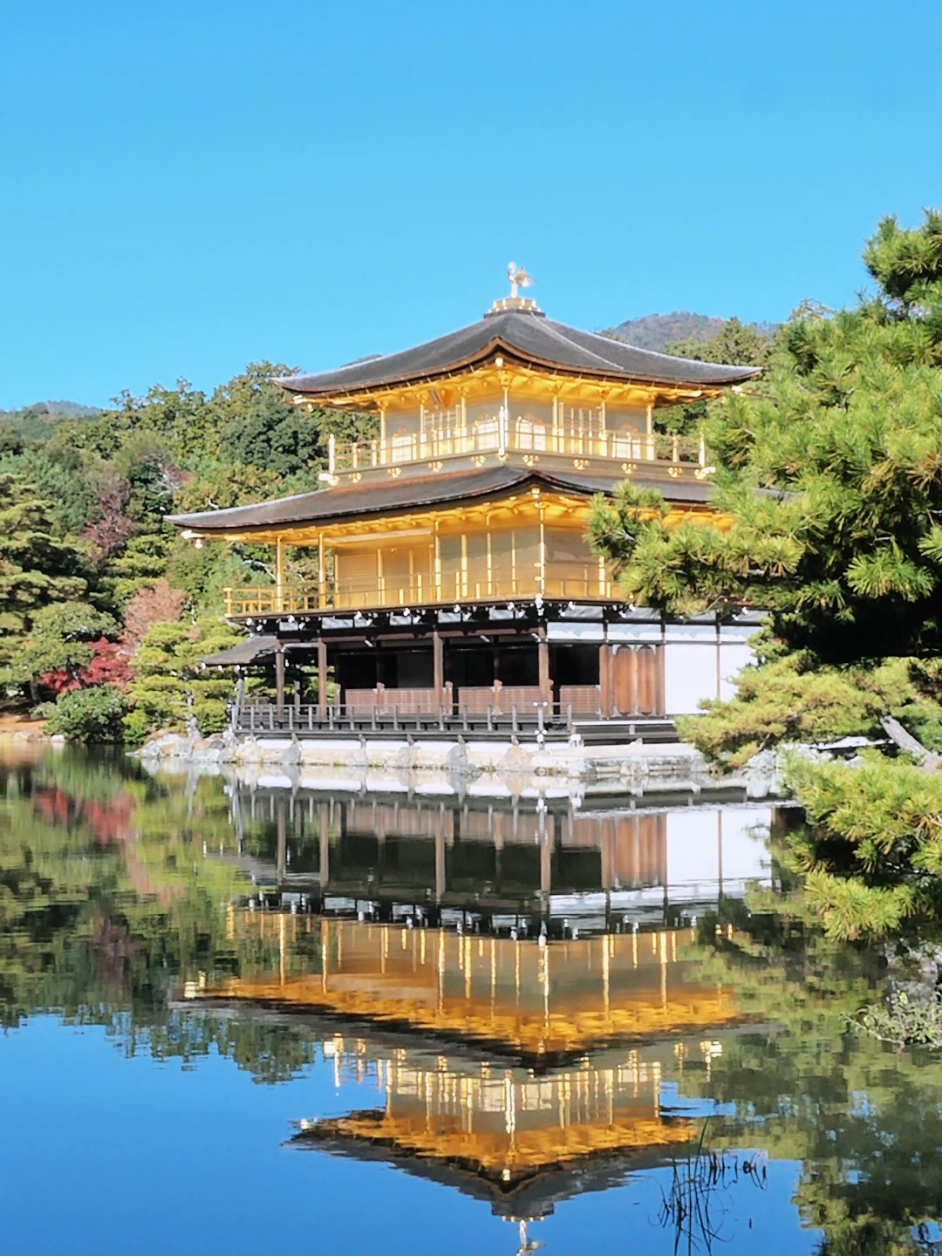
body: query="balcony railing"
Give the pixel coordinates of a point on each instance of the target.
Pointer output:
(569, 582)
(500, 438)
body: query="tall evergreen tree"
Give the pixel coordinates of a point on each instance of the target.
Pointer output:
(38, 565)
(829, 478)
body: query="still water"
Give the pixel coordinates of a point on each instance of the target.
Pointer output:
(241, 1019)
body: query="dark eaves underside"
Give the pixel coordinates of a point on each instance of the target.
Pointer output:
(530, 339)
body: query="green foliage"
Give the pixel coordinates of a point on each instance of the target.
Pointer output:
(110, 479)
(829, 496)
(141, 564)
(735, 343)
(38, 564)
(841, 441)
(58, 640)
(88, 716)
(57, 478)
(170, 685)
(903, 1021)
(871, 853)
(791, 698)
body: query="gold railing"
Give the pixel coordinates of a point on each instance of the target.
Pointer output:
(432, 446)
(562, 581)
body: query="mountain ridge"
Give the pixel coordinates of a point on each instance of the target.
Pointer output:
(657, 331)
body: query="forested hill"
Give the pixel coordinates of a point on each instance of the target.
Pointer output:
(50, 409)
(36, 422)
(660, 331)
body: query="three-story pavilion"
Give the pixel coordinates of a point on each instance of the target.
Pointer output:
(452, 570)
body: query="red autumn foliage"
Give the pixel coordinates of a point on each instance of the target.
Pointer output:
(109, 665)
(50, 684)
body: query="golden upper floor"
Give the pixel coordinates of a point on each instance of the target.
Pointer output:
(515, 385)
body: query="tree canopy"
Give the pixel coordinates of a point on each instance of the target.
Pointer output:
(828, 488)
(82, 506)
(828, 479)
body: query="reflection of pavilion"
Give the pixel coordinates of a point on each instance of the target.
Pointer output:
(540, 1004)
(506, 864)
(518, 1141)
(515, 1070)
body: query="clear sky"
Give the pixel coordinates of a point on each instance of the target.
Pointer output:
(190, 185)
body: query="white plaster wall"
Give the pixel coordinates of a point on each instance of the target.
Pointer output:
(689, 676)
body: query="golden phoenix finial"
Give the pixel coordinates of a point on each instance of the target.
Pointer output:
(519, 278)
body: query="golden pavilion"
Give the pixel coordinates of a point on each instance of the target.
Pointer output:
(450, 576)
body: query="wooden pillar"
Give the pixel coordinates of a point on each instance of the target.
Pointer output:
(606, 689)
(546, 682)
(440, 866)
(541, 579)
(280, 680)
(237, 704)
(660, 699)
(438, 667)
(546, 863)
(322, 679)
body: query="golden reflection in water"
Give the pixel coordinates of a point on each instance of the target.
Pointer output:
(505, 1125)
(542, 1001)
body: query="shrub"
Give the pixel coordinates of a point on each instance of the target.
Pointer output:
(87, 715)
(795, 699)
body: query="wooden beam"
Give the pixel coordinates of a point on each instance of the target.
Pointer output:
(606, 689)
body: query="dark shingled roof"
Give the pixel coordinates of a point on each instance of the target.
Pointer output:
(361, 500)
(244, 652)
(527, 337)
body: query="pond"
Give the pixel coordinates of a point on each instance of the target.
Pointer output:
(240, 1018)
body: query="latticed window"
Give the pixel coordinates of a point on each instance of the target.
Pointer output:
(486, 431)
(441, 426)
(580, 420)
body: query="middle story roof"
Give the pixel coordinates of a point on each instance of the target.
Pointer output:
(348, 502)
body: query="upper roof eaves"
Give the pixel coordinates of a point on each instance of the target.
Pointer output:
(529, 338)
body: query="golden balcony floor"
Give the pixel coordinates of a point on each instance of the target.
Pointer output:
(564, 582)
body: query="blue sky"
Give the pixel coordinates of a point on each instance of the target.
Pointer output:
(189, 186)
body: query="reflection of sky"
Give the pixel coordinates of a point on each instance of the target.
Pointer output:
(102, 1153)
(673, 1103)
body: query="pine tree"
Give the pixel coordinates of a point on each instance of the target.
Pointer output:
(38, 565)
(829, 479)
